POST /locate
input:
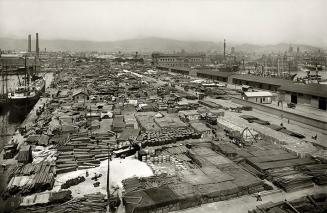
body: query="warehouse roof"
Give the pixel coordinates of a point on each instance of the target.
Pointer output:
(215, 73)
(264, 80)
(319, 90)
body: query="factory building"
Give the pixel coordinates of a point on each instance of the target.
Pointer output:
(179, 60)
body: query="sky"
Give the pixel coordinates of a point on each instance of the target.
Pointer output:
(239, 21)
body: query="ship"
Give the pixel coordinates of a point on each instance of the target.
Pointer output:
(25, 97)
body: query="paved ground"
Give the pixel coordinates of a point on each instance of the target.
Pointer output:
(248, 202)
(304, 110)
(306, 130)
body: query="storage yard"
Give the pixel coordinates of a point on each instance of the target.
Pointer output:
(173, 143)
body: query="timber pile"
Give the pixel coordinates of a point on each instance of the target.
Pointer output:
(293, 182)
(318, 171)
(81, 153)
(167, 136)
(30, 178)
(211, 104)
(73, 182)
(316, 203)
(89, 203)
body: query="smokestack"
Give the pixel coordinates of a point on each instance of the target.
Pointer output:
(37, 44)
(29, 43)
(224, 48)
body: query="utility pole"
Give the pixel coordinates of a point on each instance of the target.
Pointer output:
(108, 180)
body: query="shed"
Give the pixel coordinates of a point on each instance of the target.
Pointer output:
(80, 95)
(262, 97)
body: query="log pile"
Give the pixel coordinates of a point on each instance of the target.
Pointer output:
(30, 178)
(73, 182)
(81, 153)
(167, 136)
(290, 179)
(89, 203)
(318, 171)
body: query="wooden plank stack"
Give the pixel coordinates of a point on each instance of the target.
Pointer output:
(82, 153)
(30, 178)
(89, 203)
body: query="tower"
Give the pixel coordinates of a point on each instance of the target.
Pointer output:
(37, 45)
(29, 43)
(224, 48)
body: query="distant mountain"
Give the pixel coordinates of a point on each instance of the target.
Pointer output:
(145, 45)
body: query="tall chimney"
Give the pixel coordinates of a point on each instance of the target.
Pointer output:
(37, 44)
(29, 43)
(224, 48)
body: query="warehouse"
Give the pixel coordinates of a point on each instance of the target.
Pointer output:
(214, 75)
(311, 94)
(259, 82)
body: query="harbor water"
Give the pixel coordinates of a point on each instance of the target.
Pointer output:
(10, 121)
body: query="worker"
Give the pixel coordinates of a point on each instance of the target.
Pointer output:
(259, 197)
(315, 137)
(288, 121)
(87, 173)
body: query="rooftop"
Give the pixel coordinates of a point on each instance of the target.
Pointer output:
(258, 94)
(261, 79)
(319, 90)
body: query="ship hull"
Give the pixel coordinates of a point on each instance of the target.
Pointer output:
(24, 103)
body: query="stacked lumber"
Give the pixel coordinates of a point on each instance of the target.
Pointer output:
(30, 178)
(318, 171)
(81, 153)
(315, 203)
(73, 182)
(293, 182)
(89, 203)
(25, 154)
(167, 136)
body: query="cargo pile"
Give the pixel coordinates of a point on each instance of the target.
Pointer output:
(80, 153)
(213, 178)
(315, 203)
(317, 171)
(73, 182)
(167, 136)
(30, 178)
(87, 203)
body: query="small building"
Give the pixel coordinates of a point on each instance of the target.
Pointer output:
(203, 129)
(261, 97)
(80, 96)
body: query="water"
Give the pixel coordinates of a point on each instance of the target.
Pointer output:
(10, 121)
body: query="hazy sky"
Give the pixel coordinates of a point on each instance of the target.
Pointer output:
(251, 21)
